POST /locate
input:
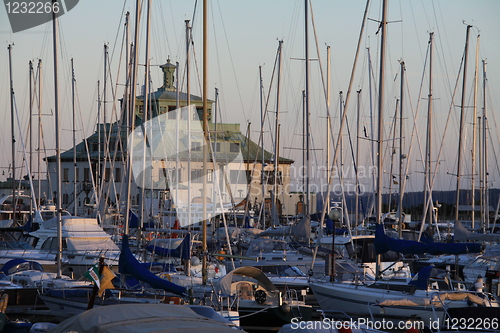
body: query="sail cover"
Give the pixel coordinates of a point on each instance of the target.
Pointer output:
(183, 251)
(128, 264)
(384, 243)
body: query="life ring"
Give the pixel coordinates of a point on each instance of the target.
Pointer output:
(166, 276)
(150, 236)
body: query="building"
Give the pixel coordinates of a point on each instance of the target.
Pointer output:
(94, 178)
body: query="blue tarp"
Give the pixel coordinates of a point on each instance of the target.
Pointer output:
(183, 251)
(384, 243)
(128, 264)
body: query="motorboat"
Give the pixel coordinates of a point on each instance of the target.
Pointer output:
(83, 241)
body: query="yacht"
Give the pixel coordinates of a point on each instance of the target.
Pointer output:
(83, 242)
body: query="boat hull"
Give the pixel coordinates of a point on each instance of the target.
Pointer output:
(272, 318)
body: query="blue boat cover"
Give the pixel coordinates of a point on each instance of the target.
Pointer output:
(128, 264)
(19, 265)
(183, 251)
(384, 243)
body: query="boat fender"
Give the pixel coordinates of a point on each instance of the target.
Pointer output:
(285, 308)
(345, 328)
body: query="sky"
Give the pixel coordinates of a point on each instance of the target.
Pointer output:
(243, 37)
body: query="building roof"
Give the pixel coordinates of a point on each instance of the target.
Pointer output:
(250, 151)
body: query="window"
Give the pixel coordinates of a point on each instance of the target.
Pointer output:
(195, 146)
(269, 177)
(198, 114)
(77, 175)
(238, 176)
(65, 199)
(86, 174)
(65, 177)
(171, 176)
(216, 147)
(234, 147)
(118, 175)
(107, 174)
(197, 176)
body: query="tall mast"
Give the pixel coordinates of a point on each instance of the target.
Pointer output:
(131, 111)
(188, 102)
(277, 133)
(13, 136)
(31, 121)
(358, 116)
(146, 106)
(207, 139)
(401, 155)
(262, 173)
(428, 146)
(383, 25)
(104, 90)
(486, 200)
(39, 144)
(328, 119)
(474, 138)
(74, 135)
(462, 121)
(308, 139)
(58, 144)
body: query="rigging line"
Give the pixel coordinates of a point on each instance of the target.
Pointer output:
(416, 29)
(118, 30)
(163, 27)
(342, 124)
(269, 95)
(429, 184)
(232, 61)
(492, 112)
(443, 63)
(447, 120)
(25, 157)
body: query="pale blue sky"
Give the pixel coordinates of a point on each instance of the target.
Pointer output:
(243, 36)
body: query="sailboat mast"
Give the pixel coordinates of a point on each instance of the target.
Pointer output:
(428, 146)
(486, 200)
(474, 138)
(462, 121)
(39, 144)
(146, 107)
(58, 145)
(306, 110)
(262, 174)
(328, 119)
(188, 102)
(358, 116)
(276, 134)
(401, 155)
(13, 147)
(131, 111)
(207, 139)
(31, 120)
(383, 25)
(74, 135)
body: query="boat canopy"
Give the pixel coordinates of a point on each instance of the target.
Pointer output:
(137, 318)
(249, 272)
